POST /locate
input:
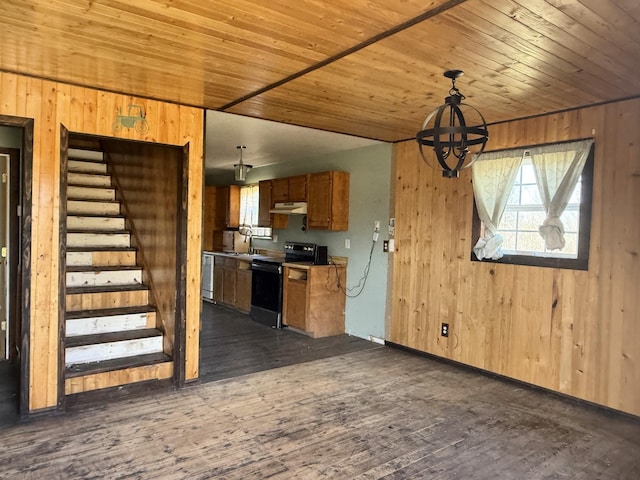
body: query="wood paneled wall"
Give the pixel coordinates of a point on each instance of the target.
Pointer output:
(574, 332)
(149, 185)
(84, 110)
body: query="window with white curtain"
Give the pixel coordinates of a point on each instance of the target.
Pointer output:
(249, 204)
(533, 205)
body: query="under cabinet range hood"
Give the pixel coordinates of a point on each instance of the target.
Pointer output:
(290, 208)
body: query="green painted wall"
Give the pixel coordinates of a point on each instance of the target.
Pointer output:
(370, 170)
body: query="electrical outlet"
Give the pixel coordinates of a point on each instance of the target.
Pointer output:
(385, 245)
(444, 329)
(376, 225)
(347, 243)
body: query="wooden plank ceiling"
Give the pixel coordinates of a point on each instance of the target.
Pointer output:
(371, 68)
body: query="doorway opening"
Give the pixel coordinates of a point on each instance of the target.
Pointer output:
(15, 240)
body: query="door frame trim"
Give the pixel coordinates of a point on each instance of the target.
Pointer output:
(26, 124)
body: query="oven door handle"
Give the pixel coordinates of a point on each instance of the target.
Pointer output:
(267, 268)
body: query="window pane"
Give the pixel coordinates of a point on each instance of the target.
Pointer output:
(570, 220)
(530, 220)
(530, 195)
(509, 242)
(508, 221)
(571, 245)
(530, 242)
(528, 174)
(575, 196)
(514, 196)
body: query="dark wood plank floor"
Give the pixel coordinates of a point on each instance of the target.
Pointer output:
(231, 344)
(9, 400)
(377, 413)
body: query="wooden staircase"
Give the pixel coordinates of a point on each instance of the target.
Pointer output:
(111, 334)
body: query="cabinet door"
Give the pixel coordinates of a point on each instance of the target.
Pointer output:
(243, 290)
(233, 209)
(264, 203)
(229, 289)
(280, 190)
(298, 188)
(222, 206)
(339, 201)
(319, 206)
(218, 284)
(296, 304)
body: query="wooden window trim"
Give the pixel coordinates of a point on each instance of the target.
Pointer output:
(580, 263)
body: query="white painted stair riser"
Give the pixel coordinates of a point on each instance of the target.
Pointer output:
(88, 179)
(91, 193)
(75, 222)
(79, 207)
(112, 323)
(98, 240)
(88, 259)
(78, 166)
(109, 351)
(104, 278)
(80, 154)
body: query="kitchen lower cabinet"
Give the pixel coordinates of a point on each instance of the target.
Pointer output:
(313, 302)
(218, 279)
(232, 282)
(243, 288)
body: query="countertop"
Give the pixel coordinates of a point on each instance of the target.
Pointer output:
(307, 265)
(247, 257)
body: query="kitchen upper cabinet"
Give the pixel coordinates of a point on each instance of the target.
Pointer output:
(279, 190)
(227, 207)
(289, 189)
(328, 201)
(297, 188)
(264, 203)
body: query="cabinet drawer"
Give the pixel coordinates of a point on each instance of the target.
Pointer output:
(230, 262)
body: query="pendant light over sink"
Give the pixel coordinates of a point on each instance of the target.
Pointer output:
(241, 169)
(457, 141)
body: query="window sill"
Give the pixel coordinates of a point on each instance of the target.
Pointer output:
(535, 261)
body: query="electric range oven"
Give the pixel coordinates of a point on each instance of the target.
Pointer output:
(267, 282)
(266, 292)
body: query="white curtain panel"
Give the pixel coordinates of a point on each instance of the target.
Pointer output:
(493, 174)
(558, 169)
(249, 199)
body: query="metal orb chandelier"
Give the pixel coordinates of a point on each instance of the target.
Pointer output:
(456, 140)
(241, 169)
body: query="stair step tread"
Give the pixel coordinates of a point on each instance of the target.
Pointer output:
(92, 200)
(99, 232)
(82, 185)
(102, 268)
(98, 338)
(109, 312)
(79, 370)
(74, 158)
(101, 249)
(106, 288)
(96, 215)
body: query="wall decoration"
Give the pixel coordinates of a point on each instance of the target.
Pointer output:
(135, 118)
